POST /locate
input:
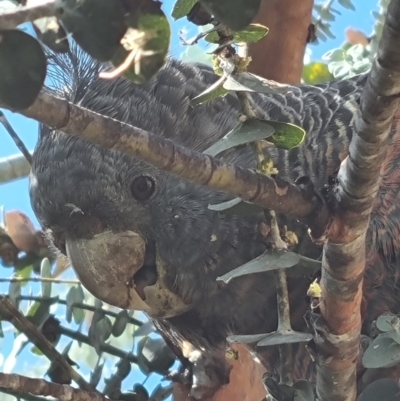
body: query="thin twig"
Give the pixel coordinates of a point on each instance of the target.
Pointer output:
(109, 349)
(12, 314)
(21, 146)
(91, 308)
(37, 280)
(23, 384)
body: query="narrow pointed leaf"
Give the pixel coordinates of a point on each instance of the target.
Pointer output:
(246, 132)
(247, 82)
(268, 261)
(215, 91)
(247, 338)
(237, 207)
(290, 337)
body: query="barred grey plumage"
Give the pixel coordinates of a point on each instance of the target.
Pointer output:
(66, 170)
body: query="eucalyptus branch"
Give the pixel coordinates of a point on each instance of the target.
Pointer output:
(37, 280)
(14, 136)
(109, 133)
(21, 14)
(12, 314)
(13, 168)
(25, 397)
(23, 384)
(344, 257)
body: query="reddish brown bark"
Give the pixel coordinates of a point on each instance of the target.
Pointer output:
(279, 56)
(245, 380)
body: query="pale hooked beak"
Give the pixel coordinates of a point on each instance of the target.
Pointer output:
(115, 268)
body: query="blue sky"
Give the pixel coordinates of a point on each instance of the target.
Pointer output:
(15, 195)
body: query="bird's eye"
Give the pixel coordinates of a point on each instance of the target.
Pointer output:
(142, 187)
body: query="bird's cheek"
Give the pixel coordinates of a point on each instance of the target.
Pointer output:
(114, 267)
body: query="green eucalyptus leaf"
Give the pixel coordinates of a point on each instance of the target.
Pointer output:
(145, 44)
(99, 331)
(182, 8)
(252, 34)
(268, 261)
(234, 14)
(24, 273)
(214, 91)
(286, 136)
(249, 131)
(74, 296)
(23, 67)
(316, 73)
(120, 323)
(96, 25)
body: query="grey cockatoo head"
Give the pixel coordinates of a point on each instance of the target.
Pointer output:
(138, 237)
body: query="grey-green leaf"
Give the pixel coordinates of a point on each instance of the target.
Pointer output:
(247, 82)
(387, 322)
(214, 91)
(268, 261)
(14, 292)
(383, 352)
(382, 389)
(120, 323)
(237, 207)
(249, 131)
(45, 272)
(290, 337)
